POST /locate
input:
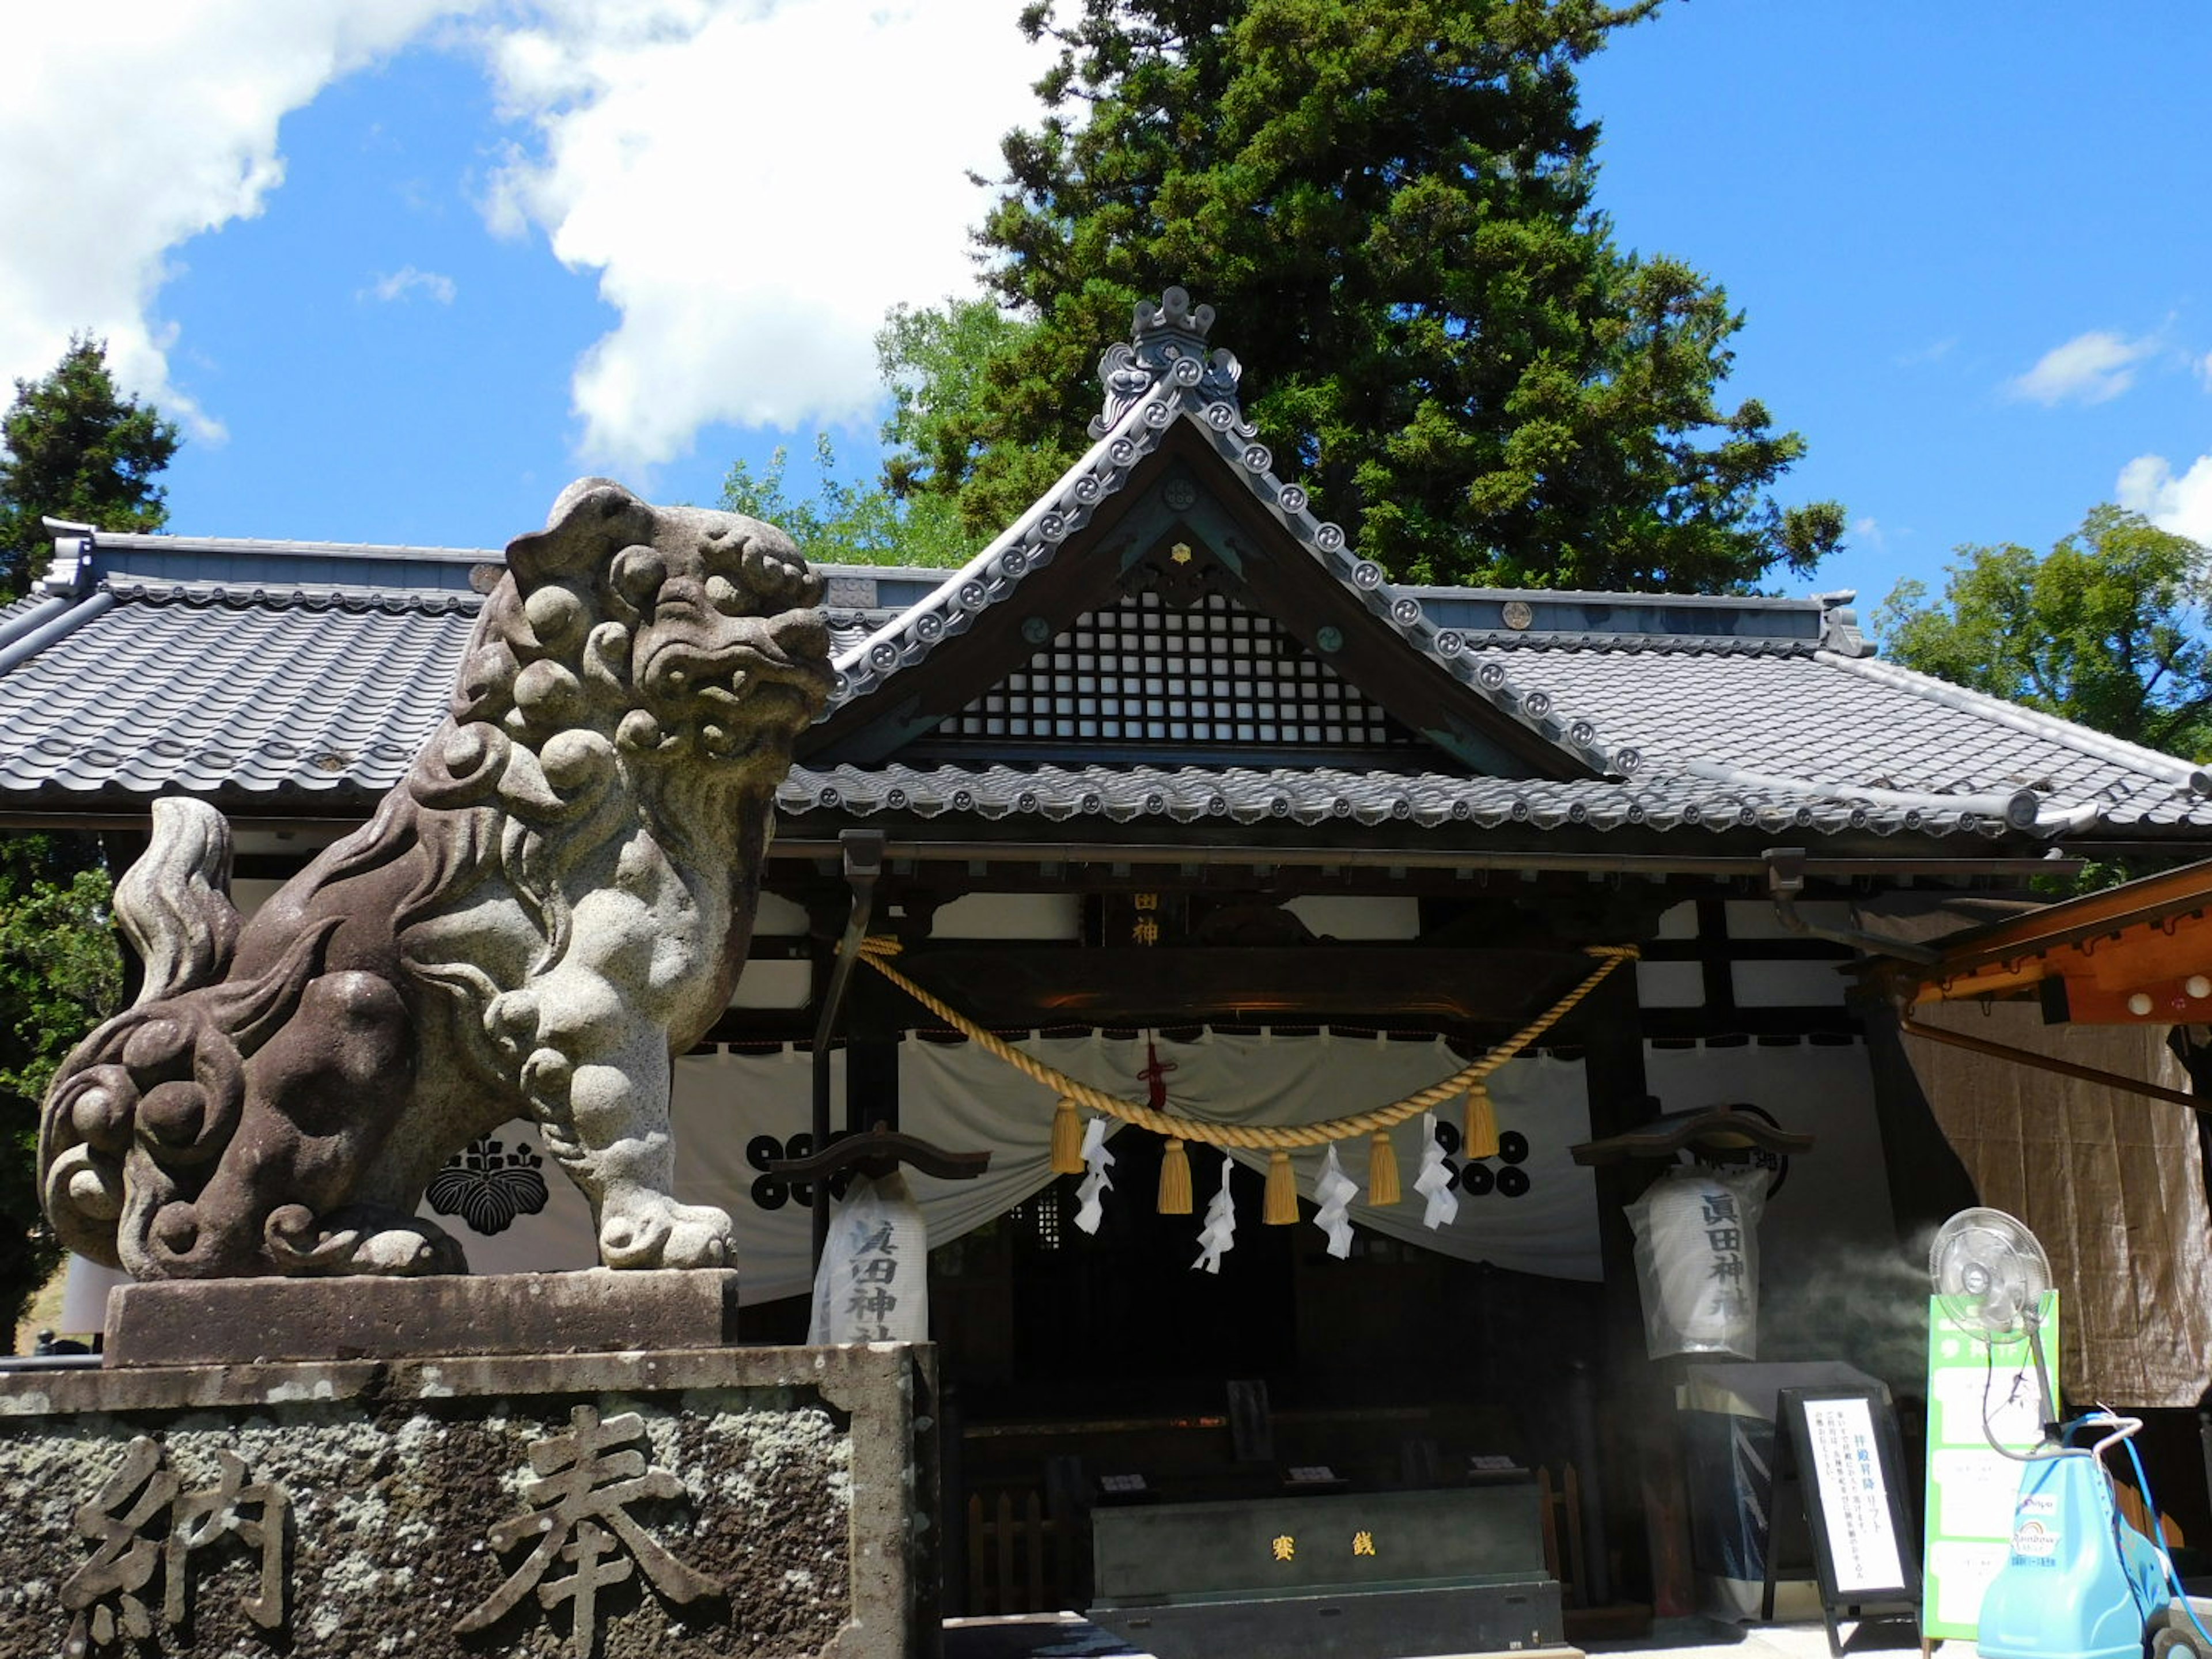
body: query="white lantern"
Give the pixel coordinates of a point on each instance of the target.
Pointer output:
(1696, 1260)
(873, 1282)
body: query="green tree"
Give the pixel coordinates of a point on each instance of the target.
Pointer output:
(2108, 629)
(841, 523)
(1389, 203)
(937, 363)
(60, 973)
(72, 446)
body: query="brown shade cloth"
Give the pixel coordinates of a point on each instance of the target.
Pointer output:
(2112, 1183)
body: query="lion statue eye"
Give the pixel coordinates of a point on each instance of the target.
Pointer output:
(638, 575)
(726, 597)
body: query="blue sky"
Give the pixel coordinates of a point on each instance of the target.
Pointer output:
(405, 267)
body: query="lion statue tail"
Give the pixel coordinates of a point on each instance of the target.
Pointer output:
(173, 904)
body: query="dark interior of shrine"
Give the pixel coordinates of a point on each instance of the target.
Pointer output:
(1079, 1369)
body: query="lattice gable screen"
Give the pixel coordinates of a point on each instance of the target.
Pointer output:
(1144, 671)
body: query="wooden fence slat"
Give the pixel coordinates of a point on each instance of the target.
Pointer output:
(1037, 1590)
(1572, 1521)
(978, 1600)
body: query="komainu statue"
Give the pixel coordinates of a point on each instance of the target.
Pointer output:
(557, 899)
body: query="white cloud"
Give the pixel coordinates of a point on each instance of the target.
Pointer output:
(407, 282)
(133, 125)
(2089, 368)
(755, 183)
(1869, 531)
(2181, 502)
(1934, 352)
(2204, 370)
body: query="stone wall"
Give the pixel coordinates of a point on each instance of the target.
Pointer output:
(733, 1501)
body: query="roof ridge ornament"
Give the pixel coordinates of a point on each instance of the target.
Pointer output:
(1839, 624)
(1167, 341)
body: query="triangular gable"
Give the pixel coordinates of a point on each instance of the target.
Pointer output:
(1176, 506)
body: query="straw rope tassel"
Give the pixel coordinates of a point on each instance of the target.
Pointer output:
(1175, 1179)
(1481, 1123)
(878, 954)
(1066, 1139)
(1282, 1209)
(1382, 1169)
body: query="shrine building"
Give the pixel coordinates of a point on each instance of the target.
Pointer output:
(1173, 792)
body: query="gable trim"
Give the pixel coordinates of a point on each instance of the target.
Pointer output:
(1185, 390)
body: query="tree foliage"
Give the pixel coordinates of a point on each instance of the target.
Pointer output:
(939, 363)
(841, 523)
(934, 361)
(1389, 203)
(76, 448)
(2108, 629)
(60, 972)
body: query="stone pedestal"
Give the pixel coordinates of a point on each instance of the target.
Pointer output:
(672, 1501)
(226, 1321)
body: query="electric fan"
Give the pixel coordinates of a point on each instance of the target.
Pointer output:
(2080, 1583)
(1990, 1275)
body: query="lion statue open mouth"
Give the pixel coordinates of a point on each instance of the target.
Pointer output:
(555, 900)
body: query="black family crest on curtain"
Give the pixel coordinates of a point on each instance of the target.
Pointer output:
(488, 1186)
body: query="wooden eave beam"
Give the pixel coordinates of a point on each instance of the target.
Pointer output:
(2101, 963)
(2153, 900)
(1136, 986)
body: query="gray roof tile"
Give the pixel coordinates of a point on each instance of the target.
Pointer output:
(1309, 797)
(299, 696)
(299, 672)
(166, 692)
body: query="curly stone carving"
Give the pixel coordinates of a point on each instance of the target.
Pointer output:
(556, 900)
(1167, 343)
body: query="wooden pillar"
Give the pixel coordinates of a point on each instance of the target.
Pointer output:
(1645, 1468)
(871, 1053)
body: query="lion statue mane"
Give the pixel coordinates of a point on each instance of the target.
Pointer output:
(554, 901)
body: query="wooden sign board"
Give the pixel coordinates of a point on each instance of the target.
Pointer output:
(1842, 1443)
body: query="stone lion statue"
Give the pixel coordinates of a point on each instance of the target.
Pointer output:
(556, 900)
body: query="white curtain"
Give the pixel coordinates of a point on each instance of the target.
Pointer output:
(728, 1105)
(959, 1098)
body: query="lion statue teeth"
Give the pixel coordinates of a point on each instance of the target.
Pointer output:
(555, 901)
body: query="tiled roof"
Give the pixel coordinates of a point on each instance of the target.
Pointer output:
(157, 686)
(1824, 717)
(150, 684)
(1168, 378)
(1315, 796)
(304, 675)
(236, 696)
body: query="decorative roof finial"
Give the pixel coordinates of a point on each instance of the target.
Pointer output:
(1839, 624)
(1166, 335)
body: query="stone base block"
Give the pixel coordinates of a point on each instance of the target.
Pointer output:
(215, 1322)
(763, 1502)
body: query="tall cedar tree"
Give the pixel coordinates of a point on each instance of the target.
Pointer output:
(76, 448)
(1388, 203)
